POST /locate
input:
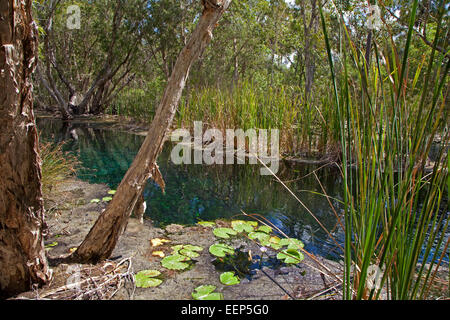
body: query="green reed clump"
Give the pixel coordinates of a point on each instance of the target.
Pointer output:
(396, 217)
(303, 126)
(138, 103)
(56, 165)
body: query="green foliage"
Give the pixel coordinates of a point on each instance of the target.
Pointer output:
(224, 232)
(175, 262)
(220, 249)
(290, 256)
(205, 292)
(147, 278)
(393, 218)
(229, 278)
(242, 226)
(57, 165)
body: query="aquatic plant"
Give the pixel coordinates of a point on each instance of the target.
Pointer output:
(206, 292)
(147, 278)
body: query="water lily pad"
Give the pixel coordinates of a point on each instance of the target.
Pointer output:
(189, 253)
(290, 256)
(95, 200)
(242, 226)
(220, 250)
(175, 262)
(146, 279)
(187, 250)
(229, 278)
(262, 237)
(112, 192)
(106, 199)
(206, 223)
(224, 232)
(265, 229)
(205, 292)
(292, 243)
(274, 242)
(192, 247)
(177, 248)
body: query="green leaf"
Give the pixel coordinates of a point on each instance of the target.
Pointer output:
(106, 199)
(188, 253)
(146, 278)
(53, 244)
(175, 262)
(207, 223)
(292, 243)
(224, 232)
(205, 292)
(290, 256)
(274, 242)
(191, 247)
(95, 200)
(187, 250)
(260, 236)
(242, 226)
(265, 229)
(112, 192)
(229, 278)
(220, 250)
(177, 248)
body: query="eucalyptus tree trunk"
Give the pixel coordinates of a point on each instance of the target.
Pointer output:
(102, 238)
(22, 254)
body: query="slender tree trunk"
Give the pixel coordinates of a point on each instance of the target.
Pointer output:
(22, 254)
(102, 238)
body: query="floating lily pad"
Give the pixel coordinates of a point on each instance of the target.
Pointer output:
(207, 223)
(292, 243)
(175, 262)
(290, 256)
(95, 200)
(189, 253)
(242, 226)
(146, 279)
(229, 278)
(274, 242)
(205, 292)
(262, 237)
(224, 232)
(220, 250)
(192, 247)
(187, 250)
(265, 229)
(106, 199)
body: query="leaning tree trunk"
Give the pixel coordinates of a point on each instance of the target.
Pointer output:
(22, 254)
(103, 236)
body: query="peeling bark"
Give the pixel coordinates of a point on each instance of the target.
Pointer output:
(102, 238)
(22, 254)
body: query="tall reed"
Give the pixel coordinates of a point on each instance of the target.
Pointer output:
(305, 127)
(396, 218)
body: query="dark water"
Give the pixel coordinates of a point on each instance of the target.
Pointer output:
(201, 192)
